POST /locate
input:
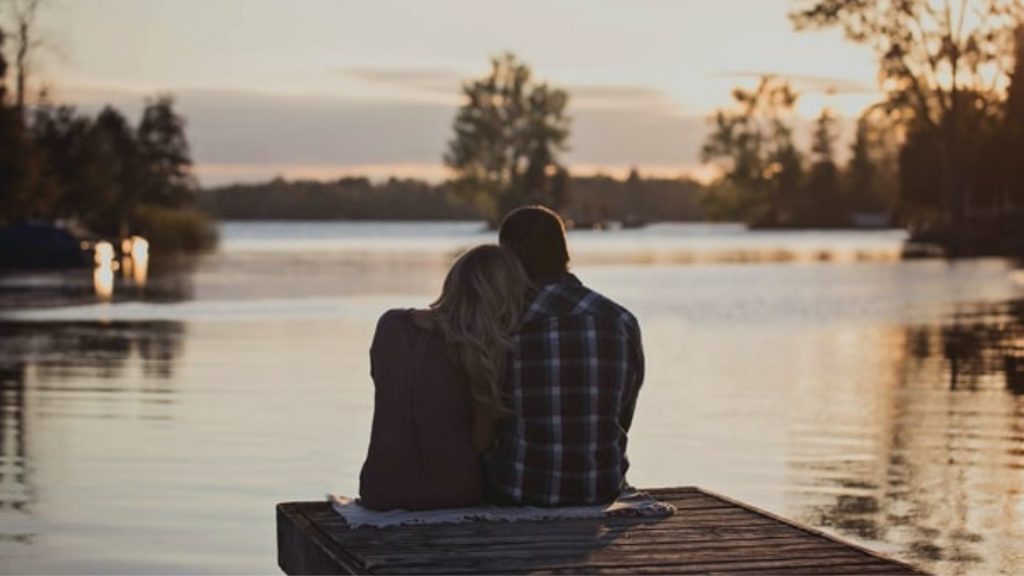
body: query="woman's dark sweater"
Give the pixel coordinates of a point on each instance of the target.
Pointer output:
(421, 453)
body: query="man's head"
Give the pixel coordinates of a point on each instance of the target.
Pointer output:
(537, 236)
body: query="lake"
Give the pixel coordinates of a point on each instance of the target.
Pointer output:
(813, 374)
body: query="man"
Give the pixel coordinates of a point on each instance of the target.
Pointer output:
(572, 380)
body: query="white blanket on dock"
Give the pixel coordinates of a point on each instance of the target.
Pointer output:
(629, 503)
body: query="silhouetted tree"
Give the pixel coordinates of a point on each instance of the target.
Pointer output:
(593, 199)
(61, 136)
(20, 166)
(753, 144)
(163, 150)
(11, 164)
(23, 15)
(871, 180)
(823, 203)
(940, 62)
(861, 171)
(508, 135)
(1012, 140)
(125, 174)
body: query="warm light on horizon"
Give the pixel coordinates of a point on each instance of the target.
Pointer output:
(368, 90)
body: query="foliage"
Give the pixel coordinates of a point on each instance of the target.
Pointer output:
(1009, 189)
(871, 181)
(929, 51)
(595, 199)
(724, 201)
(753, 144)
(823, 203)
(164, 153)
(109, 177)
(345, 198)
(601, 199)
(25, 13)
(507, 137)
(20, 168)
(945, 67)
(175, 229)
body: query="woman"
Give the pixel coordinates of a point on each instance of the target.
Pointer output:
(437, 376)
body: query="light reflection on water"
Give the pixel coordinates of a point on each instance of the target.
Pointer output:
(103, 274)
(875, 400)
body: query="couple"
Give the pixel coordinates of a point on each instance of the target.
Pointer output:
(516, 387)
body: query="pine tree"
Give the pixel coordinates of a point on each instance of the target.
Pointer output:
(165, 156)
(860, 173)
(823, 204)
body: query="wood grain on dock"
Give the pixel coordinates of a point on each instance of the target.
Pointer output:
(710, 534)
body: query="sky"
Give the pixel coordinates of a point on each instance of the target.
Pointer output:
(322, 89)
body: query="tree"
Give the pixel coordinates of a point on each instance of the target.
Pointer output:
(24, 13)
(20, 166)
(942, 64)
(163, 150)
(60, 135)
(823, 203)
(1012, 140)
(753, 144)
(861, 171)
(125, 171)
(507, 138)
(11, 165)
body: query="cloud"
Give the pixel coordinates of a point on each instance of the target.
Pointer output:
(424, 80)
(623, 97)
(804, 83)
(236, 126)
(444, 86)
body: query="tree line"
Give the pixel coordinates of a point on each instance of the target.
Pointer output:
(942, 153)
(505, 151)
(592, 200)
(100, 172)
(769, 181)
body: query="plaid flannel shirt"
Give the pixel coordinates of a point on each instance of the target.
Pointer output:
(573, 378)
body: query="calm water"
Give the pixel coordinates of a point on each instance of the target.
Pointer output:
(811, 374)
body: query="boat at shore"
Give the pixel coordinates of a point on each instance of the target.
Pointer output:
(43, 245)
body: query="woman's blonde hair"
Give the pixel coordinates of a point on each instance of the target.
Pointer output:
(478, 309)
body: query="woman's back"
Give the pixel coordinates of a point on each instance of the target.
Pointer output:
(421, 454)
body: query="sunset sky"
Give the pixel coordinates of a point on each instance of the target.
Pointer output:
(325, 88)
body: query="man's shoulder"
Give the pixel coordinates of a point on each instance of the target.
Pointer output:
(573, 298)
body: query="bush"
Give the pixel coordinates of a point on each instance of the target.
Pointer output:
(175, 229)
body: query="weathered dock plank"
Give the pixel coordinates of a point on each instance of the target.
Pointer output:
(709, 534)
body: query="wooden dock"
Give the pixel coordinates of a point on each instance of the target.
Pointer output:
(710, 534)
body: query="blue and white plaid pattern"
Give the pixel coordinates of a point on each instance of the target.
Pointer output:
(573, 379)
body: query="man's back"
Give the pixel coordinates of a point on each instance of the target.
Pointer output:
(573, 379)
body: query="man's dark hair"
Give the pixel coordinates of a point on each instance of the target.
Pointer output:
(537, 236)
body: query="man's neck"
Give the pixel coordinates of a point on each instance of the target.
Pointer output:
(541, 282)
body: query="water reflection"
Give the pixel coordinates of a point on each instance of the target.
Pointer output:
(930, 467)
(985, 347)
(103, 274)
(867, 399)
(134, 265)
(75, 370)
(137, 276)
(16, 490)
(135, 260)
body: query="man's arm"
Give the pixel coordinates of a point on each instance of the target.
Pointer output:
(635, 375)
